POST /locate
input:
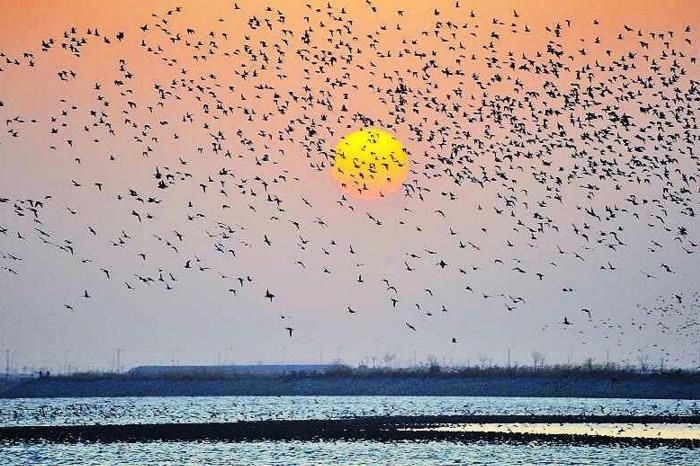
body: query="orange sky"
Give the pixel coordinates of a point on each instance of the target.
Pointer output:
(31, 167)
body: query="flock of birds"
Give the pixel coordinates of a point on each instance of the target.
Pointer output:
(586, 140)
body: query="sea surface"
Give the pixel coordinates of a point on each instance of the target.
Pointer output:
(152, 410)
(340, 453)
(65, 411)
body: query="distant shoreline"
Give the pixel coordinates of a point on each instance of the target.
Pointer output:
(575, 385)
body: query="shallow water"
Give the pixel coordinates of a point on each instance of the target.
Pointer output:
(75, 411)
(339, 453)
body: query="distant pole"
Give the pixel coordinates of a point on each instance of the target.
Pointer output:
(607, 358)
(320, 355)
(508, 358)
(119, 358)
(7, 363)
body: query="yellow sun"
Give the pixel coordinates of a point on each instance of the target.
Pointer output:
(369, 163)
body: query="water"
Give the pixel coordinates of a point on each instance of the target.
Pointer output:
(220, 409)
(339, 453)
(73, 411)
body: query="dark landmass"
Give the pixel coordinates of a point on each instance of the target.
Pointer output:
(384, 428)
(7, 383)
(354, 382)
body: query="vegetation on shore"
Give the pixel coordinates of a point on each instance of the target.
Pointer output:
(609, 371)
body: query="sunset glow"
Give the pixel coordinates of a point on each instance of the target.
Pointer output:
(370, 163)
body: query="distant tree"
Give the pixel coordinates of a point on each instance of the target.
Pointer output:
(433, 363)
(537, 359)
(643, 360)
(388, 358)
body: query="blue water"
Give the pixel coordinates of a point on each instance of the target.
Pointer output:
(72, 411)
(339, 453)
(207, 409)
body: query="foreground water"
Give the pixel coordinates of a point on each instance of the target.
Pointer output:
(77, 411)
(228, 409)
(339, 453)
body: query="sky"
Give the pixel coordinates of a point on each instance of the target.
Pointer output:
(184, 148)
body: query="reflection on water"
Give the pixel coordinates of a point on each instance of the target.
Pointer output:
(660, 431)
(73, 411)
(339, 453)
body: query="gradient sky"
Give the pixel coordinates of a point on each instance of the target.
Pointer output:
(280, 121)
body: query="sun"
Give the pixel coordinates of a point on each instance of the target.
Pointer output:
(369, 163)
